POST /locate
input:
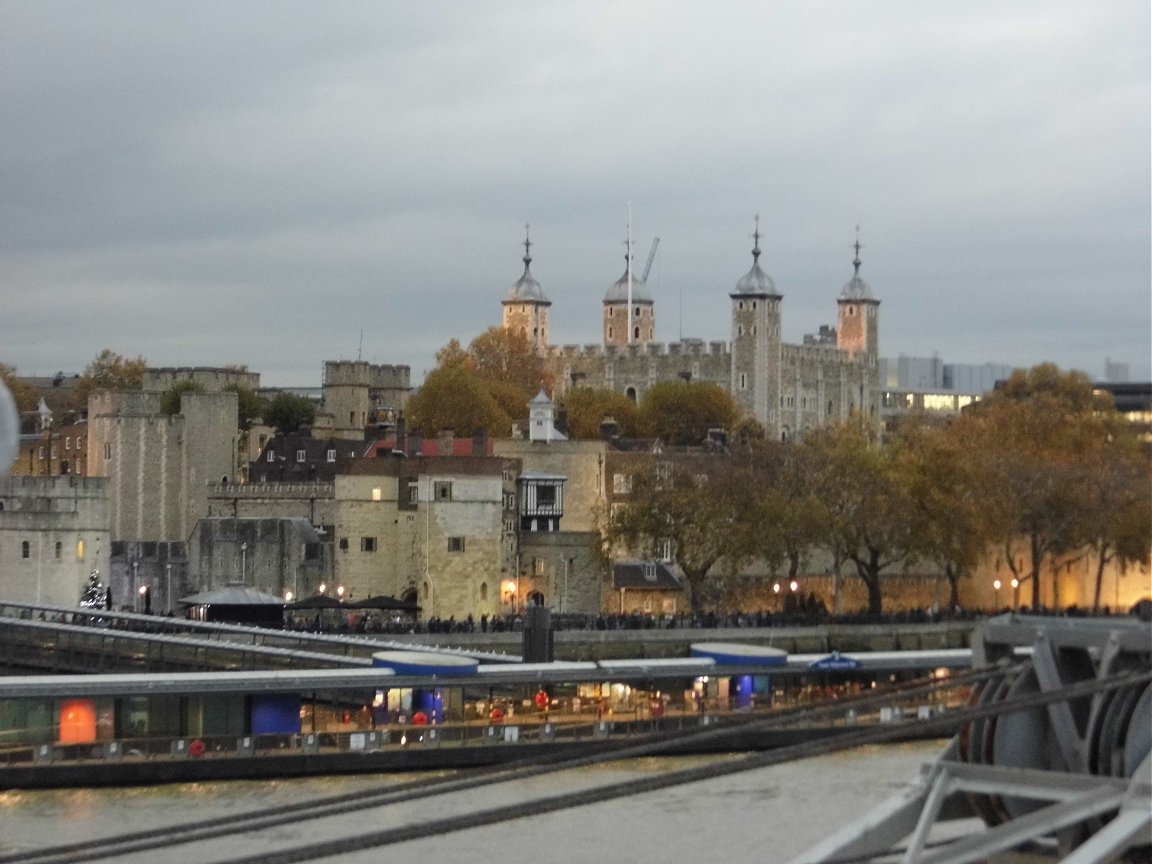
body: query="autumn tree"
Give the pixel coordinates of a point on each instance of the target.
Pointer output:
(586, 409)
(952, 526)
(787, 503)
(866, 507)
(682, 412)
(690, 505)
(454, 397)
(111, 371)
(1118, 504)
(499, 354)
(1030, 438)
(288, 412)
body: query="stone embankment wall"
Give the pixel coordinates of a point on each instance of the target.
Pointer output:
(619, 644)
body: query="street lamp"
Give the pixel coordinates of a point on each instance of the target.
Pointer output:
(135, 586)
(323, 587)
(243, 563)
(996, 585)
(775, 596)
(340, 593)
(793, 585)
(1015, 583)
(168, 579)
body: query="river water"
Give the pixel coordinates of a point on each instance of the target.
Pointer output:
(764, 815)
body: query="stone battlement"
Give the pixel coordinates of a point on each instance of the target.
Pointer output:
(297, 491)
(360, 373)
(210, 378)
(683, 348)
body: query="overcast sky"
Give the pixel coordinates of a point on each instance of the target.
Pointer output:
(210, 183)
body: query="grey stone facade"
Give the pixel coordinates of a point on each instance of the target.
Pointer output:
(53, 534)
(788, 389)
(359, 394)
(159, 466)
(274, 555)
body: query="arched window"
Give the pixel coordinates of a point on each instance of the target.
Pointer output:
(630, 392)
(409, 595)
(483, 591)
(536, 598)
(636, 333)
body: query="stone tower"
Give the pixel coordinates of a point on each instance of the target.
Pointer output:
(629, 323)
(857, 330)
(756, 356)
(526, 307)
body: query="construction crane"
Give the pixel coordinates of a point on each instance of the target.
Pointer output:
(651, 257)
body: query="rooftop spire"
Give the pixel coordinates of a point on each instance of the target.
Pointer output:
(527, 245)
(756, 239)
(856, 260)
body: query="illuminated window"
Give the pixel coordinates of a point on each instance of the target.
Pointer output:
(376, 494)
(622, 484)
(301, 455)
(271, 456)
(331, 455)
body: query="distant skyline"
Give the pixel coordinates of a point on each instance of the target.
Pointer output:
(261, 183)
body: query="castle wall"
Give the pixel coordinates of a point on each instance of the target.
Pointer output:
(211, 379)
(358, 394)
(158, 466)
(64, 522)
(565, 567)
(581, 462)
(635, 368)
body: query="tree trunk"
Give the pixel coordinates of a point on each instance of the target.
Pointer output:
(953, 573)
(869, 572)
(1102, 559)
(1035, 575)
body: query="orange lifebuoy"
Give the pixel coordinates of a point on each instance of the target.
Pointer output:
(196, 748)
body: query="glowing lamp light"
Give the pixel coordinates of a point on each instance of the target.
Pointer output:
(776, 587)
(996, 584)
(793, 584)
(143, 590)
(323, 587)
(1015, 583)
(288, 595)
(340, 591)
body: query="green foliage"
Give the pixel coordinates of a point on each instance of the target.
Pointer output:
(250, 405)
(287, 412)
(682, 412)
(170, 398)
(588, 407)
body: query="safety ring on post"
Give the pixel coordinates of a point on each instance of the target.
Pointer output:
(196, 748)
